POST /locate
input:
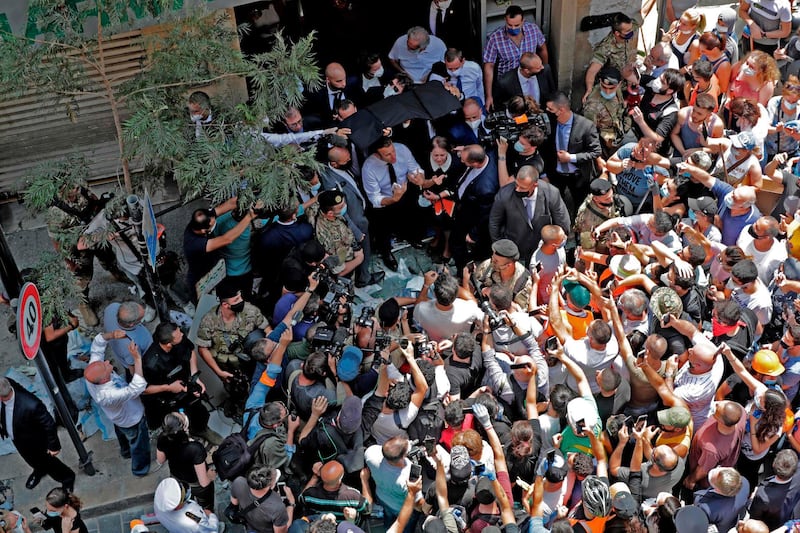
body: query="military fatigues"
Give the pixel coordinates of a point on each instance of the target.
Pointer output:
(223, 340)
(589, 216)
(337, 238)
(520, 283)
(610, 53)
(611, 118)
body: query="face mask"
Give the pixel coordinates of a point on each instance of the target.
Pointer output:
(18, 527)
(747, 71)
(389, 91)
(664, 191)
(729, 200)
(196, 118)
(315, 189)
(522, 194)
(692, 215)
(789, 105)
(474, 123)
(518, 147)
(513, 31)
(770, 382)
(237, 307)
(456, 72)
(605, 205)
(343, 212)
(53, 513)
(608, 96)
(628, 36)
(378, 73)
(687, 32)
(301, 210)
(656, 86)
(213, 226)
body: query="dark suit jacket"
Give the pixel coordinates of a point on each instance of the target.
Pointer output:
(356, 200)
(584, 142)
(33, 426)
(508, 85)
(460, 134)
(317, 111)
(457, 31)
(509, 219)
(362, 99)
(471, 215)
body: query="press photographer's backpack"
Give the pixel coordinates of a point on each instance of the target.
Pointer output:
(233, 456)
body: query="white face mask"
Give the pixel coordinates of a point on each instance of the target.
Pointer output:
(389, 91)
(747, 71)
(18, 527)
(656, 85)
(474, 123)
(196, 118)
(378, 73)
(687, 32)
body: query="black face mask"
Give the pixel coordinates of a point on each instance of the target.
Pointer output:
(346, 166)
(752, 232)
(606, 205)
(522, 194)
(237, 307)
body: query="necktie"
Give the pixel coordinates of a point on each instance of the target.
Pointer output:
(392, 173)
(458, 83)
(533, 88)
(337, 99)
(3, 430)
(439, 21)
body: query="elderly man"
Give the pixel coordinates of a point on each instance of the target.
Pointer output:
(120, 401)
(522, 208)
(127, 316)
(415, 53)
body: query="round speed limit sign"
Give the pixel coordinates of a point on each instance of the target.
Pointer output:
(29, 320)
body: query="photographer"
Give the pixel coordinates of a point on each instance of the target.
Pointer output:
(338, 437)
(525, 152)
(170, 369)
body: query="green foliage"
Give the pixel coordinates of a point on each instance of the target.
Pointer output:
(47, 179)
(57, 286)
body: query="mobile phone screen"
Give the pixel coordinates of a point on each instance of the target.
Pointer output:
(416, 472)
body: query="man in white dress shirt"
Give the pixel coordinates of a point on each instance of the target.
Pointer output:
(120, 400)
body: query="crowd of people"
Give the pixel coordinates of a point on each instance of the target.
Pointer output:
(609, 340)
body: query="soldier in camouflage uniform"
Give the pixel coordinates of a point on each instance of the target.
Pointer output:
(67, 217)
(617, 49)
(504, 268)
(606, 107)
(221, 339)
(337, 235)
(598, 207)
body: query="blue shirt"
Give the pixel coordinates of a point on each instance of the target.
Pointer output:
(562, 143)
(375, 174)
(119, 347)
(633, 183)
(732, 226)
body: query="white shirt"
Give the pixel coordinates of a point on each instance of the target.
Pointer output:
(444, 5)
(766, 262)
(176, 521)
(385, 427)
(368, 83)
(417, 64)
(591, 360)
(375, 174)
(349, 179)
(472, 173)
(530, 86)
(471, 77)
(120, 401)
(697, 390)
(760, 302)
(440, 325)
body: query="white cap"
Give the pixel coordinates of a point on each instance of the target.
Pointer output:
(169, 495)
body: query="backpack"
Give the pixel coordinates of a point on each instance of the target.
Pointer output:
(233, 456)
(429, 422)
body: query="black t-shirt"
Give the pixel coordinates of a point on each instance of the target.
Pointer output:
(693, 306)
(53, 523)
(198, 261)
(161, 367)
(661, 118)
(182, 457)
(517, 161)
(464, 377)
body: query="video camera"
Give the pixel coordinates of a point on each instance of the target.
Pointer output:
(499, 124)
(425, 348)
(495, 320)
(365, 318)
(330, 340)
(337, 290)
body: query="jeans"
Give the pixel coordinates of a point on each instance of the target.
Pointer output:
(134, 442)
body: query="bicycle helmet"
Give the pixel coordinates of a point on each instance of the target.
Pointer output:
(596, 497)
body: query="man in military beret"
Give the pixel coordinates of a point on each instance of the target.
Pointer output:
(598, 207)
(336, 234)
(502, 268)
(221, 340)
(605, 106)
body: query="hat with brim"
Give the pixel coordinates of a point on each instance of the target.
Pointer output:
(744, 140)
(623, 266)
(704, 204)
(349, 363)
(665, 301)
(678, 417)
(576, 292)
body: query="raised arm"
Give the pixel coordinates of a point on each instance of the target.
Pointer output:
(554, 309)
(584, 389)
(738, 367)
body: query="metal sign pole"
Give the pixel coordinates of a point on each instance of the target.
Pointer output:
(12, 281)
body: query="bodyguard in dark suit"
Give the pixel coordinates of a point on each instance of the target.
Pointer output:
(474, 193)
(320, 106)
(24, 419)
(468, 129)
(521, 209)
(571, 150)
(449, 21)
(532, 78)
(368, 85)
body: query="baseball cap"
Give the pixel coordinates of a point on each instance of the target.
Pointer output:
(350, 414)
(624, 505)
(678, 417)
(609, 75)
(388, 312)
(701, 160)
(705, 204)
(579, 294)
(349, 363)
(624, 265)
(744, 140)
(460, 467)
(665, 301)
(484, 491)
(691, 519)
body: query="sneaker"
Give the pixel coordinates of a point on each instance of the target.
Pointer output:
(149, 313)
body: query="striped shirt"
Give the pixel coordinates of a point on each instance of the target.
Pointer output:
(317, 500)
(502, 50)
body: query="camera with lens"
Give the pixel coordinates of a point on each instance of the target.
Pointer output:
(382, 340)
(424, 347)
(336, 290)
(499, 124)
(416, 453)
(365, 318)
(495, 320)
(330, 340)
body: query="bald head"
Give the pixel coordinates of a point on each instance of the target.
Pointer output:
(473, 155)
(97, 372)
(665, 458)
(338, 155)
(729, 413)
(332, 473)
(530, 64)
(701, 357)
(335, 76)
(752, 526)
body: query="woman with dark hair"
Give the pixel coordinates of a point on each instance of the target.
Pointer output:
(187, 459)
(712, 48)
(63, 512)
(662, 518)
(444, 171)
(521, 454)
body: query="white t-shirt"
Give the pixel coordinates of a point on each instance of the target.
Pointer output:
(440, 325)
(766, 262)
(590, 360)
(697, 390)
(385, 427)
(760, 302)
